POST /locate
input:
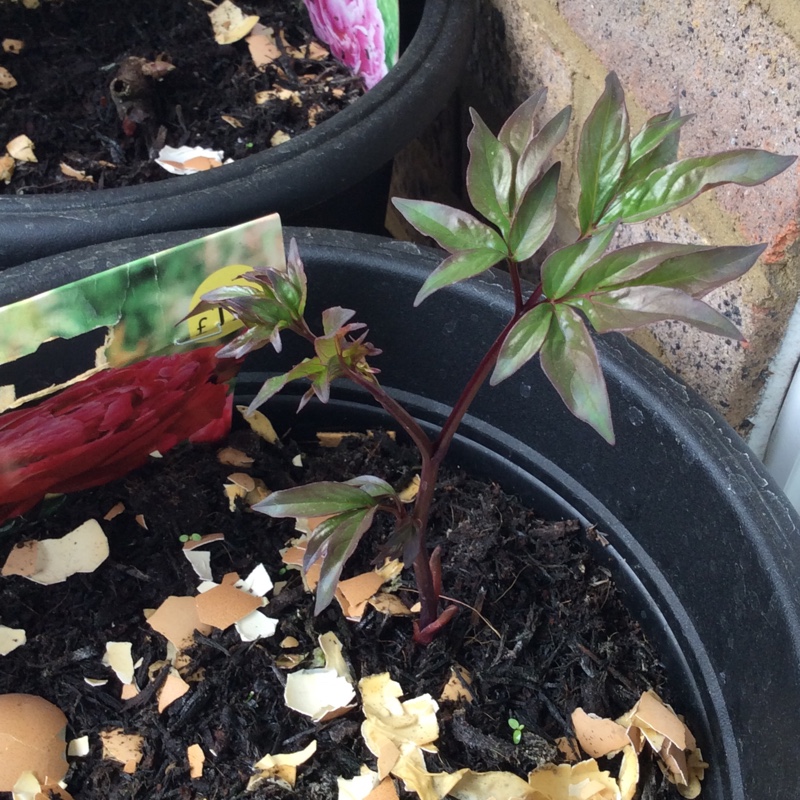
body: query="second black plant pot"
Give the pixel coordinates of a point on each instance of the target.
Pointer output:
(336, 174)
(701, 540)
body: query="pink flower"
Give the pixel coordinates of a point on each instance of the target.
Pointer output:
(353, 29)
(98, 430)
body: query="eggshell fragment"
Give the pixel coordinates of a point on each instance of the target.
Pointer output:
(32, 739)
(229, 23)
(628, 778)
(196, 758)
(281, 768)
(29, 788)
(317, 692)
(78, 748)
(256, 626)
(126, 748)
(260, 424)
(359, 787)
(21, 147)
(52, 561)
(114, 511)
(390, 605)
(456, 687)
(598, 736)
(224, 605)
(263, 48)
(257, 583)
(188, 160)
(177, 619)
(7, 80)
(11, 639)
(118, 657)
(409, 494)
(234, 458)
(583, 781)
(201, 563)
(173, 688)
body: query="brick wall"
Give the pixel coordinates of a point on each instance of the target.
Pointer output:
(733, 63)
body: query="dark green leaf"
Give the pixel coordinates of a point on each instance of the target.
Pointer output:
(315, 500)
(523, 341)
(569, 360)
(539, 150)
(674, 185)
(334, 540)
(517, 131)
(698, 272)
(602, 153)
(458, 267)
(629, 263)
(655, 131)
(489, 174)
(625, 309)
(453, 229)
(535, 216)
(564, 268)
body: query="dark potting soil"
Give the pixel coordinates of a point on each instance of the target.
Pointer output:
(72, 53)
(559, 635)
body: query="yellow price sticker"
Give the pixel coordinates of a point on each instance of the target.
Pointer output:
(216, 323)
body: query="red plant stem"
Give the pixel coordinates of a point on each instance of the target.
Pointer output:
(513, 271)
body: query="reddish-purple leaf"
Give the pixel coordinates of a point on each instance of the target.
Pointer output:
(489, 174)
(625, 309)
(564, 268)
(307, 368)
(539, 150)
(458, 267)
(676, 184)
(451, 228)
(335, 317)
(569, 359)
(315, 500)
(603, 153)
(518, 129)
(535, 215)
(523, 341)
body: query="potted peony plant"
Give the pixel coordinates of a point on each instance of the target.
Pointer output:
(312, 177)
(692, 528)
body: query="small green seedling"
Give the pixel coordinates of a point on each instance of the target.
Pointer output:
(516, 730)
(195, 537)
(584, 284)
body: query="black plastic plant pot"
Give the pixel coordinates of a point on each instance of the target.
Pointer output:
(704, 545)
(330, 175)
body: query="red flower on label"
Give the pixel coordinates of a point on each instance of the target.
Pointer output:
(98, 430)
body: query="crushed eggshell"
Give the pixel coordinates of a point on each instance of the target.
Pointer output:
(20, 147)
(281, 768)
(196, 758)
(289, 641)
(259, 423)
(29, 788)
(229, 23)
(409, 494)
(289, 660)
(78, 748)
(118, 657)
(354, 593)
(189, 160)
(76, 174)
(657, 722)
(95, 682)
(596, 735)
(332, 648)
(628, 778)
(280, 93)
(257, 583)
(225, 605)
(7, 167)
(13, 46)
(358, 787)
(584, 780)
(11, 639)
(390, 605)
(256, 626)
(390, 724)
(457, 685)
(173, 688)
(232, 457)
(568, 748)
(177, 619)
(32, 739)
(7, 80)
(52, 561)
(263, 47)
(114, 511)
(201, 563)
(126, 748)
(318, 693)
(279, 137)
(129, 691)
(140, 521)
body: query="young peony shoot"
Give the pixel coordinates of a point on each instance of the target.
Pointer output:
(513, 187)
